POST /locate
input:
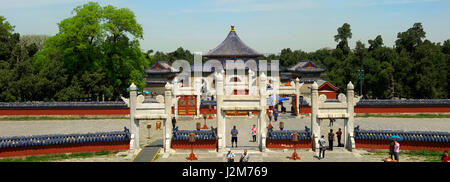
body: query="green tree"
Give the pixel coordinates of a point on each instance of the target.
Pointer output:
(97, 43)
(344, 33)
(376, 43)
(411, 38)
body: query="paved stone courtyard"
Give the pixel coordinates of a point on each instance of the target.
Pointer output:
(37, 127)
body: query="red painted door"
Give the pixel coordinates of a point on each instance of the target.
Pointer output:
(187, 105)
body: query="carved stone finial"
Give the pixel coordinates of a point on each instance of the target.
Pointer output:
(350, 86)
(315, 86)
(133, 86)
(168, 86)
(297, 80)
(263, 75)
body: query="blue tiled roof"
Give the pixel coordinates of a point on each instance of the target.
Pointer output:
(419, 136)
(232, 46)
(60, 139)
(394, 103)
(31, 105)
(199, 134)
(287, 134)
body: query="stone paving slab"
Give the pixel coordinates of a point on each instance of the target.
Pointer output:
(149, 151)
(275, 156)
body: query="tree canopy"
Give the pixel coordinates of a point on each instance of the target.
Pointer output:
(414, 68)
(96, 53)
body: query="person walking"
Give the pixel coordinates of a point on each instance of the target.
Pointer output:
(391, 149)
(174, 122)
(338, 136)
(331, 122)
(396, 150)
(244, 156)
(275, 114)
(254, 133)
(234, 133)
(331, 139)
(230, 156)
(322, 147)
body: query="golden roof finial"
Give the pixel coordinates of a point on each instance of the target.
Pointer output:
(232, 28)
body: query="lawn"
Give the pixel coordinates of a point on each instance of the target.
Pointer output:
(404, 116)
(29, 118)
(58, 157)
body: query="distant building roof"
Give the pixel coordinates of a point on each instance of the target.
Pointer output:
(306, 66)
(323, 83)
(232, 46)
(161, 67)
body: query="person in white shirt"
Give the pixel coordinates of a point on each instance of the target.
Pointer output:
(322, 147)
(244, 156)
(230, 156)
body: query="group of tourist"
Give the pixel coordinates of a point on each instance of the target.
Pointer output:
(244, 157)
(331, 139)
(394, 147)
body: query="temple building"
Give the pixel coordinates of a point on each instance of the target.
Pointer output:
(193, 91)
(157, 76)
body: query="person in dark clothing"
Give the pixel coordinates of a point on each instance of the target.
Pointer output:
(331, 139)
(174, 122)
(234, 133)
(391, 149)
(338, 136)
(331, 122)
(275, 114)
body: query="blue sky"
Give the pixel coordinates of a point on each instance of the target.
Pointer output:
(267, 26)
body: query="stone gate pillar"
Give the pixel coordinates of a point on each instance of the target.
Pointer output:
(315, 125)
(262, 134)
(220, 114)
(167, 123)
(297, 97)
(349, 123)
(134, 124)
(198, 92)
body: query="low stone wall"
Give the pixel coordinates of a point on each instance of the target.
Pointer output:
(204, 139)
(63, 108)
(404, 145)
(17, 146)
(202, 144)
(120, 108)
(288, 144)
(410, 140)
(68, 148)
(395, 106)
(283, 139)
